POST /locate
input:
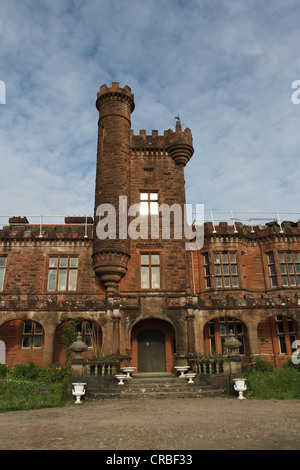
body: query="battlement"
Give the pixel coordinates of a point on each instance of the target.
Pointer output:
(115, 92)
(178, 143)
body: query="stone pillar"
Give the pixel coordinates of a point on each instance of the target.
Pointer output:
(190, 332)
(48, 348)
(77, 362)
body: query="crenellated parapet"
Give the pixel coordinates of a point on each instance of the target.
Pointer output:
(178, 144)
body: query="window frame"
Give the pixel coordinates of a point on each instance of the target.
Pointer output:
(68, 268)
(32, 335)
(3, 270)
(150, 266)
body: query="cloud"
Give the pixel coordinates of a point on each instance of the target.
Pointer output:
(225, 68)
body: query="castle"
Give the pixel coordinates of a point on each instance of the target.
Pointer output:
(147, 300)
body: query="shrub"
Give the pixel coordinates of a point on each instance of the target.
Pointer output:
(280, 384)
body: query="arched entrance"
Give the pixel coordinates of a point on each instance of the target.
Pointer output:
(153, 346)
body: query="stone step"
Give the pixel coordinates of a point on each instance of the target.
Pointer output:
(158, 394)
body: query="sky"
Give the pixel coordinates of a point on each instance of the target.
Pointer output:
(225, 67)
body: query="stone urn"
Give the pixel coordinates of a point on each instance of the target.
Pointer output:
(190, 376)
(240, 387)
(120, 378)
(232, 343)
(78, 346)
(182, 370)
(78, 391)
(128, 370)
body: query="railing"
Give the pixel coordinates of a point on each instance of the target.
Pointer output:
(207, 366)
(250, 218)
(100, 368)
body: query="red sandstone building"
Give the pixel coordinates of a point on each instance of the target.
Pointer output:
(148, 301)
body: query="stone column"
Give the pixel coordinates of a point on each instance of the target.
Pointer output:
(48, 348)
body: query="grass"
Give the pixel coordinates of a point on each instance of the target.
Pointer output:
(19, 387)
(267, 383)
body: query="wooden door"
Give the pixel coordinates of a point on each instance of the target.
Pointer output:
(151, 351)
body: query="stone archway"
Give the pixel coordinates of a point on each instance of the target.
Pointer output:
(153, 346)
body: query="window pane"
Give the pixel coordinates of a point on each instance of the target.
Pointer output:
(224, 258)
(144, 197)
(279, 328)
(232, 258)
(271, 258)
(292, 281)
(153, 196)
(226, 269)
(282, 344)
(281, 257)
(88, 341)
(26, 342)
(283, 269)
(145, 277)
(298, 280)
(62, 279)
(88, 328)
(272, 269)
(222, 328)
(155, 277)
(145, 259)
(38, 329)
(217, 257)
(298, 268)
(73, 262)
(284, 281)
(52, 279)
(72, 279)
(206, 260)
(274, 281)
(289, 257)
(217, 269)
(235, 282)
(63, 262)
(53, 262)
(37, 341)
(226, 281)
(27, 328)
(207, 280)
(290, 269)
(153, 208)
(144, 208)
(218, 282)
(154, 259)
(296, 257)
(2, 276)
(3, 261)
(233, 269)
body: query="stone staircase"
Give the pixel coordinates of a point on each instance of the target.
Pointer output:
(153, 386)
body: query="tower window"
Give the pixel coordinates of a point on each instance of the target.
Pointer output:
(150, 271)
(148, 203)
(62, 274)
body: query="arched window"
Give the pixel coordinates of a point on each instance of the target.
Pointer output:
(217, 331)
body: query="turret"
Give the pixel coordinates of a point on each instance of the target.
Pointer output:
(180, 145)
(115, 104)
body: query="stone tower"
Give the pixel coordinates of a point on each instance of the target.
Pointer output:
(115, 105)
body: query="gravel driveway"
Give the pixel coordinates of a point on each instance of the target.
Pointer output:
(162, 424)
